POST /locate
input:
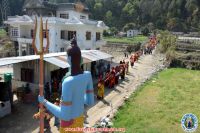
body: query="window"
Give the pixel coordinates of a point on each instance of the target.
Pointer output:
(82, 17)
(27, 75)
(98, 36)
(50, 14)
(44, 33)
(14, 32)
(65, 16)
(62, 49)
(71, 34)
(63, 34)
(32, 33)
(88, 35)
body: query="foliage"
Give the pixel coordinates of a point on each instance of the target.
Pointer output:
(113, 31)
(106, 33)
(145, 31)
(133, 48)
(173, 15)
(167, 41)
(129, 26)
(159, 105)
(8, 46)
(2, 33)
(133, 40)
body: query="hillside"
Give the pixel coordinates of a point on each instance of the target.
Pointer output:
(175, 15)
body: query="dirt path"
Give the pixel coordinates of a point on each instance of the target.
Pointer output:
(143, 70)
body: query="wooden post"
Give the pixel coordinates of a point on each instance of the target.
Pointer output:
(41, 52)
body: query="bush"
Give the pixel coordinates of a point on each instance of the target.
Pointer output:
(105, 33)
(167, 41)
(145, 31)
(133, 48)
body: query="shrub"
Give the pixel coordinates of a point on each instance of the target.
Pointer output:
(133, 48)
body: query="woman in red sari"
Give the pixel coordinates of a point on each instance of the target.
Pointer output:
(112, 78)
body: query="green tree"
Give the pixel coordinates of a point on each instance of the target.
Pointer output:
(113, 31)
(129, 26)
(145, 31)
(167, 41)
(108, 17)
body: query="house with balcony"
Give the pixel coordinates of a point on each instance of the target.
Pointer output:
(64, 21)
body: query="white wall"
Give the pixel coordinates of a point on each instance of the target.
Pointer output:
(32, 65)
(72, 14)
(131, 33)
(56, 43)
(17, 74)
(25, 31)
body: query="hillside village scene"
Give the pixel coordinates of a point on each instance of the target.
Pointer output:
(99, 66)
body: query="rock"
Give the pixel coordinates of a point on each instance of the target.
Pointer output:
(103, 124)
(110, 124)
(126, 97)
(107, 120)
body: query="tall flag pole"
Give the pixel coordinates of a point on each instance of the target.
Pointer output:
(41, 52)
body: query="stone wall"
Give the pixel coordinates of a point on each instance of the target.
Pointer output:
(118, 48)
(187, 56)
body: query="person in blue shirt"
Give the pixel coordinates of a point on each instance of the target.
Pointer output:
(77, 90)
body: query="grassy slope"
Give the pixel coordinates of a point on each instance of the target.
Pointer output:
(2, 33)
(126, 40)
(158, 106)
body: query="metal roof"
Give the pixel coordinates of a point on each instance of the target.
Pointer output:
(61, 61)
(58, 59)
(95, 55)
(13, 60)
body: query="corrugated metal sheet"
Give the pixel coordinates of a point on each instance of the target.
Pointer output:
(95, 55)
(13, 60)
(58, 59)
(61, 61)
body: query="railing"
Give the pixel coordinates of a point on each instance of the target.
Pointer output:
(25, 40)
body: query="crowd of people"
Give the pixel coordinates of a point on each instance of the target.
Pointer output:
(112, 76)
(150, 46)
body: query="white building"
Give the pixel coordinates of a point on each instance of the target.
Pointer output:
(133, 32)
(64, 20)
